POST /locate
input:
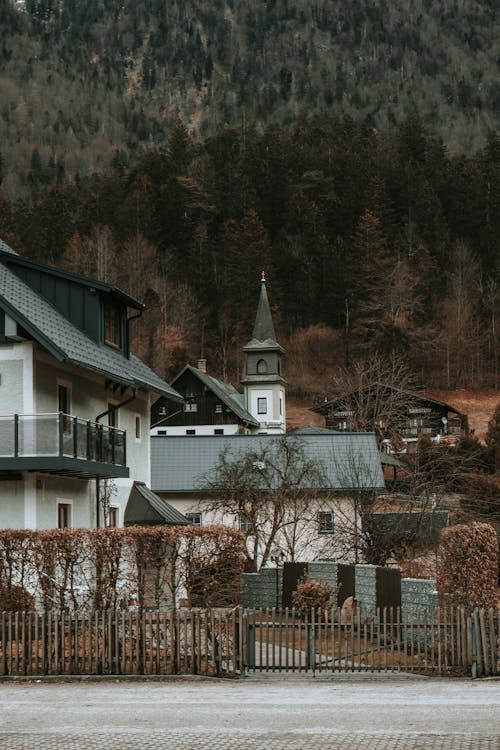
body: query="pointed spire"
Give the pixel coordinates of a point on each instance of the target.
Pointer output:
(263, 329)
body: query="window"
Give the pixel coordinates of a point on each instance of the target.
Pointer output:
(194, 518)
(262, 367)
(218, 408)
(161, 432)
(113, 326)
(190, 432)
(63, 515)
(326, 522)
(218, 431)
(137, 428)
(64, 405)
(64, 398)
(262, 406)
(244, 524)
(112, 517)
(190, 406)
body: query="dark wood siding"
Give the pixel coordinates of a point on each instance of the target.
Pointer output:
(77, 302)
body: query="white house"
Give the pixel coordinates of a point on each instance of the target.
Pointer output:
(324, 473)
(74, 402)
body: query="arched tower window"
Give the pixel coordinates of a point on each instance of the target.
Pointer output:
(262, 367)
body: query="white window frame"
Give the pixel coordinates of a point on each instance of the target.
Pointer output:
(116, 508)
(244, 524)
(193, 514)
(138, 423)
(69, 503)
(261, 402)
(62, 383)
(326, 522)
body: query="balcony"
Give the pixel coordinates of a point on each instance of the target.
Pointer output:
(61, 444)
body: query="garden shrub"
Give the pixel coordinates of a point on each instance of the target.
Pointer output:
(468, 566)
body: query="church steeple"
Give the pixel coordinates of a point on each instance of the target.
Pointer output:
(263, 383)
(263, 329)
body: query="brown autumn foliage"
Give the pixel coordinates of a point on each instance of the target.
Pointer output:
(468, 566)
(311, 593)
(93, 569)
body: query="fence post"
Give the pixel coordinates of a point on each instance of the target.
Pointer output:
(474, 649)
(250, 633)
(5, 670)
(310, 657)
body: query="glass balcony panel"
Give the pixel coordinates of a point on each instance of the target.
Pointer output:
(7, 437)
(38, 435)
(52, 435)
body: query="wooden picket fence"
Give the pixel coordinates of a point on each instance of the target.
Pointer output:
(231, 642)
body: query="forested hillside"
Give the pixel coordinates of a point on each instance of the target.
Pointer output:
(371, 240)
(81, 79)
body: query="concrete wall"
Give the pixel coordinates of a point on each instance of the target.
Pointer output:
(262, 590)
(259, 589)
(366, 587)
(418, 594)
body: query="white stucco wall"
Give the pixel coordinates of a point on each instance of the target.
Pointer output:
(310, 545)
(12, 505)
(273, 420)
(16, 379)
(78, 493)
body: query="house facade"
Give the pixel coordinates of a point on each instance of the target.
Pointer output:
(399, 417)
(329, 472)
(211, 407)
(74, 401)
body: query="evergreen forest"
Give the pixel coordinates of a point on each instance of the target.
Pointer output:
(372, 241)
(177, 148)
(79, 79)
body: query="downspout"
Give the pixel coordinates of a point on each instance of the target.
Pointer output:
(113, 409)
(129, 320)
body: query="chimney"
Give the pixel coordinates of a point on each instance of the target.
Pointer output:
(202, 365)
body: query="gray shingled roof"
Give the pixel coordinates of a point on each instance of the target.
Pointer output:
(6, 249)
(385, 458)
(67, 343)
(145, 507)
(183, 464)
(226, 393)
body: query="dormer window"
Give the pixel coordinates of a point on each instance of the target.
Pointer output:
(113, 326)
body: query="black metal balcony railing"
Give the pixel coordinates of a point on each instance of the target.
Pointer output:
(61, 435)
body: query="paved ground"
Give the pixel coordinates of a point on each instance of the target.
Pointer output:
(252, 715)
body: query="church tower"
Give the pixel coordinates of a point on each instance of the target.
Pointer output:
(263, 383)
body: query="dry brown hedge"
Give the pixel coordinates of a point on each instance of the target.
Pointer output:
(70, 569)
(468, 566)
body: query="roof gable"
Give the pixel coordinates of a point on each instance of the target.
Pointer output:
(413, 398)
(66, 342)
(225, 392)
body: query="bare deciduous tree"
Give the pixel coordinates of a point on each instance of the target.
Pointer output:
(268, 491)
(375, 395)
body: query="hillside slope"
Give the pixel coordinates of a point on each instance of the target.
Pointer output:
(80, 80)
